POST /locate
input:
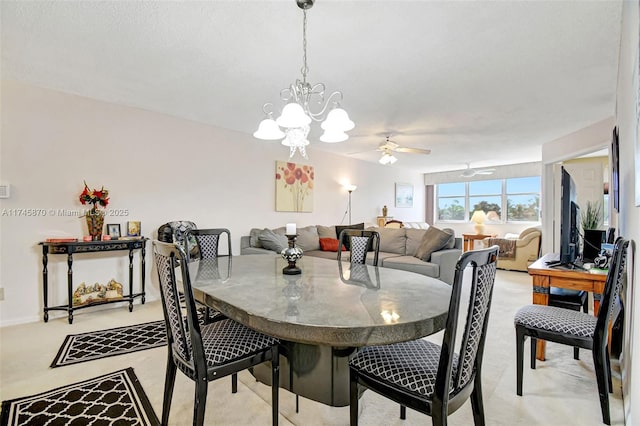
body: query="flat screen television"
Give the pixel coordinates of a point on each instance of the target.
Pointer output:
(569, 217)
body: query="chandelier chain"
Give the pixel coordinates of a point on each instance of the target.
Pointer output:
(304, 69)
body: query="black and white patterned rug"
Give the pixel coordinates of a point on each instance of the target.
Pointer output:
(115, 341)
(113, 399)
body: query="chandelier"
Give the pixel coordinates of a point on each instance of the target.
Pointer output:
(305, 103)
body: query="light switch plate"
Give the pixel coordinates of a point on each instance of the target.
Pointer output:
(4, 190)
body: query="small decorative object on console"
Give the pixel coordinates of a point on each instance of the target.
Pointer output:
(94, 217)
(292, 253)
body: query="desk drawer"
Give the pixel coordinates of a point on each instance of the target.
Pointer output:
(572, 284)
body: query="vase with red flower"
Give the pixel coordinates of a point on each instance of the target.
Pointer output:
(94, 216)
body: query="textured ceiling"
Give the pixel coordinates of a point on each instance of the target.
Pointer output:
(480, 82)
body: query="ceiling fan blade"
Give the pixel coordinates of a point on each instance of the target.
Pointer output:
(413, 150)
(468, 173)
(485, 171)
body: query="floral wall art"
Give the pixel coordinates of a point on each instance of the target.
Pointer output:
(294, 187)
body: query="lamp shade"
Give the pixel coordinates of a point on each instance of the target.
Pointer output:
(387, 158)
(293, 116)
(338, 119)
(478, 216)
(350, 187)
(334, 136)
(268, 130)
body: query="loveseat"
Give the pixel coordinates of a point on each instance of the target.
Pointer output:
(517, 252)
(398, 247)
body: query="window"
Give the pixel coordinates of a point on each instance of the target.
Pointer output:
(503, 200)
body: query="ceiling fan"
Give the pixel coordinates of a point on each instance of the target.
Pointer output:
(469, 172)
(388, 147)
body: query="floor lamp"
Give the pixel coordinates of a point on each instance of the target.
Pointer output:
(350, 188)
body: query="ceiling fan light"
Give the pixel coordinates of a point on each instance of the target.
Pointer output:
(332, 136)
(387, 158)
(268, 130)
(338, 119)
(293, 116)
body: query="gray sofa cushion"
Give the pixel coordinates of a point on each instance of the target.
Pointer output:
(308, 238)
(452, 241)
(392, 240)
(434, 239)
(333, 255)
(272, 241)
(414, 238)
(412, 264)
(326, 231)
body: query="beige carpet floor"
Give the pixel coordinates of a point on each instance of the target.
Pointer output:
(561, 391)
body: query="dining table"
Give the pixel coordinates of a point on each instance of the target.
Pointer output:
(321, 315)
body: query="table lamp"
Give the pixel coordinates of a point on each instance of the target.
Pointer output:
(478, 218)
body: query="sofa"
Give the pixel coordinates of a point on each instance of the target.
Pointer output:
(398, 247)
(517, 252)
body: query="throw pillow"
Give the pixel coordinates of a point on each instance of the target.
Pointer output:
(329, 244)
(340, 228)
(434, 239)
(327, 231)
(452, 241)
(308, 238)
(254, 237)
(272, 241)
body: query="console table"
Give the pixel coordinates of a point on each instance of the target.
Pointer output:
(79, 247)
(469, 240)
(544, 277)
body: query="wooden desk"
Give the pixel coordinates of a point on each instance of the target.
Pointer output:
(545, 277)
(469, 240)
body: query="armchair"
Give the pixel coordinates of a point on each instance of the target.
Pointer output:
(517, 254)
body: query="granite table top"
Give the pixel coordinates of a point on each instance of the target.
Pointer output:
(330, 303)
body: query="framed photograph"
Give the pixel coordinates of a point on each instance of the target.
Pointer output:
(404, 195)
(113, 230)
(614, 187)
(133, 229)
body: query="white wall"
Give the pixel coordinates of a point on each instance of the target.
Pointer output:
(157, 167)
(629, 218)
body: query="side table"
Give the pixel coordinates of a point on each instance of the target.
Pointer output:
(78, 247)
(469, 240)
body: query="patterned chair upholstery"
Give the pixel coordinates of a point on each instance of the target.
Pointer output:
(435, 380)
(576, 329)
(359, 243)
(209, 352)
(176, 232)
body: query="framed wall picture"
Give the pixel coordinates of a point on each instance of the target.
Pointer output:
(294, 187)
(404, 195)
(133, 229)
(615, 169)
(113, 230)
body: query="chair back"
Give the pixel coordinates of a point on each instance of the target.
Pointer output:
(394, 224)
(183, 336)
(359, 242)
(208, 241)
(176, 232)
(612, 288)
(358, 274)
(483, 273)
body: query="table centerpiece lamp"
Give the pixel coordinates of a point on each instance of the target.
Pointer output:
(478, 218)
(292, 253)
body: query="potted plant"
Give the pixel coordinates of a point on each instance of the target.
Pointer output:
(591, 219)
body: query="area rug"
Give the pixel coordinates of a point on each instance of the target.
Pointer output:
(115, 398)
(105, 343)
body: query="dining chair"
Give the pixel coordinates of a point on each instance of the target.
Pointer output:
(570, 299)
(207, 243)
(359, 243)
(208, 352)
(176, 232)
(429, 378)
(575, 328)
(359, 274)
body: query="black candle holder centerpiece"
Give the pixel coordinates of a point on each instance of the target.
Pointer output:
(291, 254)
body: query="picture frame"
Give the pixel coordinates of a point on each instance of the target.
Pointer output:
(615, 169)
(404, 195)
(133, 229)
(113, 230)
(294, 187)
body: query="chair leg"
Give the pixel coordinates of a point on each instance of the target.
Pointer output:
(353, 398)
(576, 352)
(608, 371)
(297, 403)
(600, 361)
(275, 384)
(519, 359)
(200, 401)
(476, 402)
(169, 381)
(403, 412)
(234, 383)
(534, 346)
